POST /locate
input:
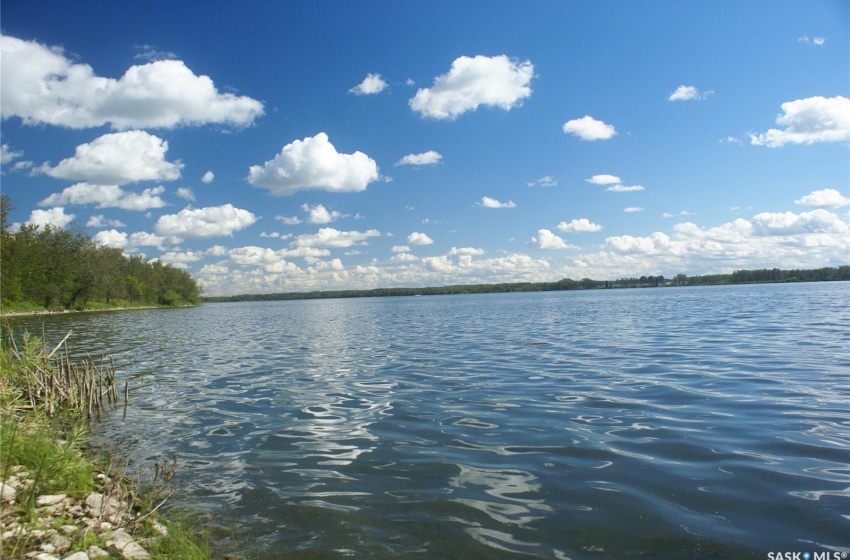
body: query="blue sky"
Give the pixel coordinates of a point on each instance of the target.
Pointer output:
(287, 146)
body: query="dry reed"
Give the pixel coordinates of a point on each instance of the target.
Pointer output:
(52, 381)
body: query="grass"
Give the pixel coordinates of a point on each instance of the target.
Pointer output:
(46, 436)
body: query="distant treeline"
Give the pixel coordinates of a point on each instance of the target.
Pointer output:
(737, 277)
(58, 268)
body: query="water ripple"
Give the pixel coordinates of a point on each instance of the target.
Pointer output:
(555, 425)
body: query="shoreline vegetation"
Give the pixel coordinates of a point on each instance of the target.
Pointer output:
(760, 276)
(60, 497)
(27, 309)
(52, 268)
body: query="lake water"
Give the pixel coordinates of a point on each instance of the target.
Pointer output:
(681, 422)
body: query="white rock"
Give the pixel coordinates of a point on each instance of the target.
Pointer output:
(68, 529)
(7, 493)
(77, 556)
(61, 544)
(44, 556)
(160, 528)
(96, 552)
(119, 539)
(135, 551)
(50, 500)
(94, 502)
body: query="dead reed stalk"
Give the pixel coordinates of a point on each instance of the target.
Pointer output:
(53, 381)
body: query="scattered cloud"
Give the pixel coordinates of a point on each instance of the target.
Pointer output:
(825, 198)
(180, 259)
(813, 42)
(186, 194)
(426, 158)
(807, 121)
(7, 154)
(487, 202)
(402, 257)
(625, 188)
(590, 129)
(417, 238)
(145, 239)
(789, 223)
(117, 159)
(201, 223)
(633, 209)
(579, 225)
(805, 240)
(371, 84)
(208, 177)
(110, 238)
(40, 85)
(334, 238)
(545, 181)
(471, 251)
(547, 240)
(667, 215)
(318, 214)
(99, 221)
(106, 196)
(151, 53)
(53, 216)
(688, 93)
(400, 249)
(496, 81)
(604, 180)
(314, 164)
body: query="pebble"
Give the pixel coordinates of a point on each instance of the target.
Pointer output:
(46, 539)
(7, 493)
(49, 500)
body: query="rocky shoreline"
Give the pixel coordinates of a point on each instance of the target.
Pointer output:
(62, 527)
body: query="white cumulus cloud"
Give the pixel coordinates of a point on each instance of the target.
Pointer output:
(625, 188)
(604, 180)
(110, 238)
(99, 221)
(588, 128)
(334, 238)
(40, 85)
(117, 159)
(214, 221)
(633, 209)
(314, 163)
(487, 202)
(106, 196)
(54, 216)
(825, 198)
(579, 225)
(496, 81)
(684, 93)
(547, 240)
(425, 158)
(371, 84)
(318, 214)
(417, 238)
(789, 223)
(208, 177)
(807, 121)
